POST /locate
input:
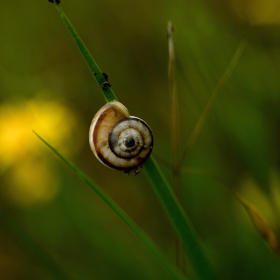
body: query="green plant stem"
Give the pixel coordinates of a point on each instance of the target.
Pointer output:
(173, 95)
(179, 220)
(106, 90)
(180, 258)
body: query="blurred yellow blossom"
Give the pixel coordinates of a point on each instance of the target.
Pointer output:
(31, 180)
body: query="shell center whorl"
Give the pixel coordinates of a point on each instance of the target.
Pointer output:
(129, 142)
(126, 139)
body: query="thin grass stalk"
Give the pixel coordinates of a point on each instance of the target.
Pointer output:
(174, 136)
(173, 96)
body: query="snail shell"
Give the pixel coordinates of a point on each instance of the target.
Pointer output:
(118, 140)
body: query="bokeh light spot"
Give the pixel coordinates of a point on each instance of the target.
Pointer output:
(31, 179)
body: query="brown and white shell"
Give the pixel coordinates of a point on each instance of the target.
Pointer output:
(118, 140)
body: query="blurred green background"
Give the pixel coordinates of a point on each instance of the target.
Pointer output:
(46, 86)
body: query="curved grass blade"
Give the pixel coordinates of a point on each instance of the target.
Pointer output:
(101, 80)
(179, 220)
(122, 215)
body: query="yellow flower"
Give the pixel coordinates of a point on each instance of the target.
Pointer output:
(31, 180)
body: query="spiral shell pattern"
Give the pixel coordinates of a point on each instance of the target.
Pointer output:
(118, 140)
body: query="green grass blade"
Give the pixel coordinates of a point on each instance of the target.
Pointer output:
(122, 215)
(107, 91)
(179, 220)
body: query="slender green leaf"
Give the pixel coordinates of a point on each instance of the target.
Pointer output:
(122, 215)
(180, 221)
(174, 136)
